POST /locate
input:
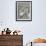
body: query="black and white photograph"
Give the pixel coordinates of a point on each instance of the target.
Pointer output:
(23, 10)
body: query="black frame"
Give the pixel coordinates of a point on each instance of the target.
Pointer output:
(31, 11)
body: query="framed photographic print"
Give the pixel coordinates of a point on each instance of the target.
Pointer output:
(23, 10)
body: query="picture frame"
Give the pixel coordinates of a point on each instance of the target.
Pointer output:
(23, 10)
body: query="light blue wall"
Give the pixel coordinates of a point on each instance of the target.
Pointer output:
(31, 30)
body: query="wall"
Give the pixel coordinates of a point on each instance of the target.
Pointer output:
(31, 30)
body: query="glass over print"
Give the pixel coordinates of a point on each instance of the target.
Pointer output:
(23, 10)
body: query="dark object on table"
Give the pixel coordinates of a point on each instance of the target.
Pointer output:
(8, 31)
(3, 32)
(31, 43)
(15, 33)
